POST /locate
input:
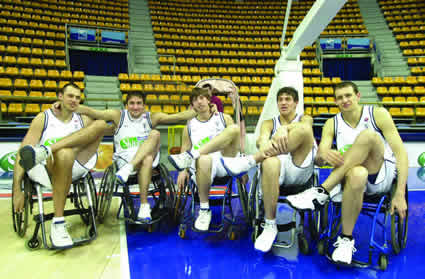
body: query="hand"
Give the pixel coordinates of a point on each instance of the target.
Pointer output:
(333, 157)
(213, 108)
(56, 107)
(399, 204)
(280, 139)
(269, 149)
(18, 201)
(182, 179)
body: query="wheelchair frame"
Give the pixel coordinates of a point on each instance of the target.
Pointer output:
(256, 206)
(372, 206)
(163, 194)
(82, 195)
(187, 217)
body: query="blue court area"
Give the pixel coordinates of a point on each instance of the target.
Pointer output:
(163, 254)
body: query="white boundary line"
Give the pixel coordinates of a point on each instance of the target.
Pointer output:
(125, 267)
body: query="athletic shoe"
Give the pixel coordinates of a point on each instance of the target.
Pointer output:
(312, 198)
(265, 240)
(344, 250)
(203, 221)
(124, 172)
(59, 235)
(33, 155)
(144, 214)
(39, 175)
(237, 165)
(181, 161)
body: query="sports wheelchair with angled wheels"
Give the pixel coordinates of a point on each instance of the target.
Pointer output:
(312, 218)
(82, 195)
(373, 206)
(162, 195)
(221, 195)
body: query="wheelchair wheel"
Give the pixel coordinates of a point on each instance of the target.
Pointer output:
(169, 187)
(20, 219)
(106, 190)
(383, 262)
(399, 230)
(252, 199)
(243, 197)
(81, 200)
(33, 244)
(303, 244)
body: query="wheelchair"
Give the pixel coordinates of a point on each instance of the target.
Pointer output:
(82, 195)
(373, 206)
(188, 202)
(162, 191)
(312, 218)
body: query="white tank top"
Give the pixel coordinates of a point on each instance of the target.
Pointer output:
(130, 134)
(55, 129)
(201, 132)
(345, 134)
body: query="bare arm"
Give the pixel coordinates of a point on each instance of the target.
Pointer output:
(326, 141)
(163, 118)
(385, 122)
(228, 119)
(265, 132)
(186, 145)
(107, 115)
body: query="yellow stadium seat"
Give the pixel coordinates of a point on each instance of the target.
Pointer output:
(15, 108)
(20, 83)
(66, 75)
(53, 74)
(5, 93)
(11, 72)
(45, 107)
(78, 75)
(32, 108)
(407, 112)
(395, 111)
(323, 110)
(50, 85)
(36, 94)
(19, 93)
(333, 110)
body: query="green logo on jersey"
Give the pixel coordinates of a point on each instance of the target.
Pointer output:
(7, 162)
(51, 141)
(201, 142)
(130, 142)
(344, 148)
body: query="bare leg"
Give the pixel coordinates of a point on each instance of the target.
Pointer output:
(144, 178)
(227, 139)
(149, 147)
(367, 151)
(352, 199)
(203, 177)
(60, 170)
(82, 137)
(270, 170)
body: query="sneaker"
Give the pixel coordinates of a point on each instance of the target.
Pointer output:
(237, 165)
(265, 240)
(59, 235)
(144, 214)
(33, 155)
(312, 198)
(39, 175)
(181, 161)
(124, 172)
(203, 221)
(344, 250)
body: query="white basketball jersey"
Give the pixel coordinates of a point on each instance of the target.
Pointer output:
(345, 135)
(201, 132)
(55, 129)
(130, 134)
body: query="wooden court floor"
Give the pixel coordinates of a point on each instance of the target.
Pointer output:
(99, 259)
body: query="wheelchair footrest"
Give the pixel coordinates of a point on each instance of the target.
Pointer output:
(286, 227)
(354, 263)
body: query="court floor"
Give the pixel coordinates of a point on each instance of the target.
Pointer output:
(123, 252)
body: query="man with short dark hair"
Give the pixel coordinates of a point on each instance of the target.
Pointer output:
(369, 155)
(286, 152)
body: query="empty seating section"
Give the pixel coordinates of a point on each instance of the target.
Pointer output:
(32, 46)
(403, 96)
(238, 41)
(407, 20)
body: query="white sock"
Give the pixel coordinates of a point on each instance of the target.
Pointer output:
(251, 160)
(145, 205)
(205, 205)
(195, 154)
(130, 166)
(58, 219)
(270, 222)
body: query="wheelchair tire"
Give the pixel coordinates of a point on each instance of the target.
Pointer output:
(303, 244)
(243, 197)
(106, 190)
(20, 219)
(399, 229)
(252, 199)
(170, 188)
(33, 244)
(383, 262)
(81, 201)
(321, 247)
